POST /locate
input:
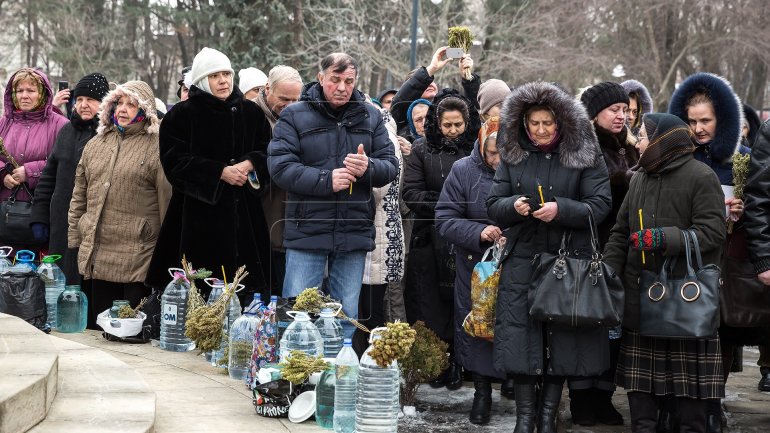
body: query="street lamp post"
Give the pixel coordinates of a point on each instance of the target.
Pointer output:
(415, 13)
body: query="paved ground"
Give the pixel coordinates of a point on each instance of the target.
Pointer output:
(192, 396)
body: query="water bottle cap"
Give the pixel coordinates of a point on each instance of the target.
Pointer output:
(327, 312)
(25, 256)
(347, 342)
(274, 298)
(257, 296)
(51, 258)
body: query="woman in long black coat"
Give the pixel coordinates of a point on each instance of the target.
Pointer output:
(451, 126)
(461, 218)
(207, 145)
(548, 144)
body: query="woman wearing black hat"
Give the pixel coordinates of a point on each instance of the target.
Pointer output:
(607, 106)
(54, 190)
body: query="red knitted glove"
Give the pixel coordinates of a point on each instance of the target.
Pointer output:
(648, 240)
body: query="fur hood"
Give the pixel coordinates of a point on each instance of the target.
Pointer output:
(136, 90)
(645, 100)
(727, 108)
(578, 147)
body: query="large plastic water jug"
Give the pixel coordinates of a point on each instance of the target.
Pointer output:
(377, 404)
(54, 281)
(241, 341)
(173, 311)
(331, 331)
(231, 315)
(301, 335)
(5, 262)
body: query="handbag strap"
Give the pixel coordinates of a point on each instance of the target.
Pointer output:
(688, 253)
(696, 246)
(595, 252)
(23, 185)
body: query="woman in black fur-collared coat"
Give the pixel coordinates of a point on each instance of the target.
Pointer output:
(212, 219)
(547, 141)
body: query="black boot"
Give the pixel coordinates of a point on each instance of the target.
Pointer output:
(454, 376)
(764, 382)
(581, 406)
(644, 412)
(526, 407)
(507, 389)
(668, 417)
(714, 416)
(482, 400)
(692, 414)
(549, 410)
(605, 410)
(440, 381)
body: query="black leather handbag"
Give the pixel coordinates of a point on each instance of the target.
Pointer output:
(577, 292)
(681, 307)
(15, 216)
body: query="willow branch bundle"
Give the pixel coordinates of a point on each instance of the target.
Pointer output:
(740, 173)
(126, 312)
(204, 324)
(311, 300)
(195, 299)
(461, 37)
(8, 157)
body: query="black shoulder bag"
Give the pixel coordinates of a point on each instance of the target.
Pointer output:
(684, 307)
(576, 292)
(15, 216)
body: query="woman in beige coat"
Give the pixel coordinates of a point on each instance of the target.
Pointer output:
(120, 197)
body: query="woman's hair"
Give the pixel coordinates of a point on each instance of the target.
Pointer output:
(26, 75)
(452, 104)
(635, 96)
(699, 97)
(534, 108)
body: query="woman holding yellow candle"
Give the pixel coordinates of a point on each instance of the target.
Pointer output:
(546, 144)
(674, 192)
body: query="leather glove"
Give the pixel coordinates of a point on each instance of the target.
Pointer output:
(648, 240)
(40, 232)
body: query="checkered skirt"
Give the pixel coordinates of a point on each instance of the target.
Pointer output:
(682, 367)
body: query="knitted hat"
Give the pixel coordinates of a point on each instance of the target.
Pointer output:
(491, 93)
(385, 92)
(206, 62)
(250, 78)
(92, 85)
(597, 98)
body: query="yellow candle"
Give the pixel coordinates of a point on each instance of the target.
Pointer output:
(540, 190)
(641, 227)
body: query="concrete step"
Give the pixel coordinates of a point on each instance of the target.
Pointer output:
(85, 389)
(28, 372)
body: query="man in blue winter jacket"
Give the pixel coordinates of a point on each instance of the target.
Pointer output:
(328, 151)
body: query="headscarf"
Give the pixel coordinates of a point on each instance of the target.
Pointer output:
(140, 116)
(670, 138)
(488, 130)
(27, 74)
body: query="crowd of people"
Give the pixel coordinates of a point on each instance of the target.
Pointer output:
(388, 203)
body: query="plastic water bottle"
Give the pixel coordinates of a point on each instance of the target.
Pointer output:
(324, 398)
(377, 394)
(301, 335)
(25, 258)
(5, 262)
(331, 332)
(231, 315)
(72, 310)
(346, 374)
(264, 350)
(173, 310)
(54, 280)
(241, 340)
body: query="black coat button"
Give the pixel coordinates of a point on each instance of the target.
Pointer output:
(233, 162)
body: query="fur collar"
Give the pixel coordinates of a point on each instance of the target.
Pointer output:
(578, 147)
(645, 100)
(727, 108)
(140, 92)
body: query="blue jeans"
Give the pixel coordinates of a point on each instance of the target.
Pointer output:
(305, 268)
